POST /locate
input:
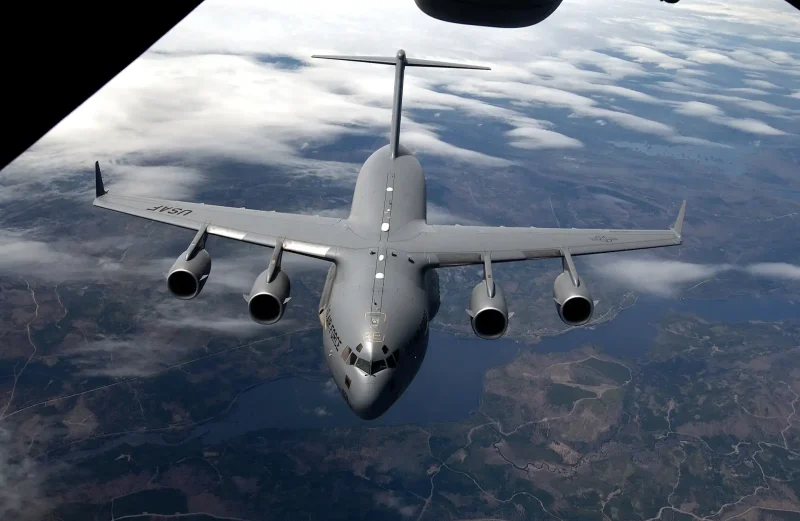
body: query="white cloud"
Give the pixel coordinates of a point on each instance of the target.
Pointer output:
(753, 126)
(748, 90)
(535, 138)
(562, 73)
(615, 68)
(698, 108)
(750, 104)
(781, 57)
(716, 115)
(705, 56)
(321, 411)
(580, 105)
(426, 141)
(22, 254)
(754, 105)
(175, 332)
(659, 277)
(754, 60)
(777, 17)
(631, 121)
(667, 277)
(329, 388)
(761, 84)
(684, 140)
(779, 270)
(660, 27)
(645, 54)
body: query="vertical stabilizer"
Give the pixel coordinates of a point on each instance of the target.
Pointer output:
(400, 62)
(397, 101)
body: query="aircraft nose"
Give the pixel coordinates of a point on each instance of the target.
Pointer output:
(369, 412)
(370, 402)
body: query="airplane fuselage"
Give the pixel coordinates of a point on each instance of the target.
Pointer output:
(377, 302)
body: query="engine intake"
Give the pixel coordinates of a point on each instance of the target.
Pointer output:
(573, 303)
(186, 279)
(489, 315)
(267, 300)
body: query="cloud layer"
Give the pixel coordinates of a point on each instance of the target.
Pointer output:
(716, 115)
(667, 277)
(232, 82)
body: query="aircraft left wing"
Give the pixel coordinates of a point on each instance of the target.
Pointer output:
(441, 246)
(307, 235)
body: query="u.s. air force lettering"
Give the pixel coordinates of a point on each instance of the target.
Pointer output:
(603, 238)
(170, 210)
(332, 331)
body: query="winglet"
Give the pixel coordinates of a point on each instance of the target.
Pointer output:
(99, 190)
(678, 226)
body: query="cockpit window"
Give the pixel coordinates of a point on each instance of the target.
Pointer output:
(378, 365)
(352, 359)
(346, 353)
(359, 347)
(363, 365)
(385, 349)
(390, 362)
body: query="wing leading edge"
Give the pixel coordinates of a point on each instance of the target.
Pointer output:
(441, 246)
(307, 235)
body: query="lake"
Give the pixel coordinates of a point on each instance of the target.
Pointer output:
(447, 387)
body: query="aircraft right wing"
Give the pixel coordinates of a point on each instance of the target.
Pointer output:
(441, 246)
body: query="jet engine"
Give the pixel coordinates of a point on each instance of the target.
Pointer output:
(186, 278)
(267, 300)
(489, 314)
(573, 303)
(490, 13)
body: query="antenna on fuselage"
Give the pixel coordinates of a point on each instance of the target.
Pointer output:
(400, 62)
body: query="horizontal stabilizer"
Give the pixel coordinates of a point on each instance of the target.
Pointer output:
(389, 60)
(408, 62)
(413, 62)
(400, 62)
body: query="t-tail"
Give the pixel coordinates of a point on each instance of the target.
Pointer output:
(400, 62)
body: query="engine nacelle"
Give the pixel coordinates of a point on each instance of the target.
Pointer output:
(267, 300)
(573, 303)
(489, 315)
(491, 13)
(186, 279)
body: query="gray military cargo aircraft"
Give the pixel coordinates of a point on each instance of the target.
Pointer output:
(382, 289)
